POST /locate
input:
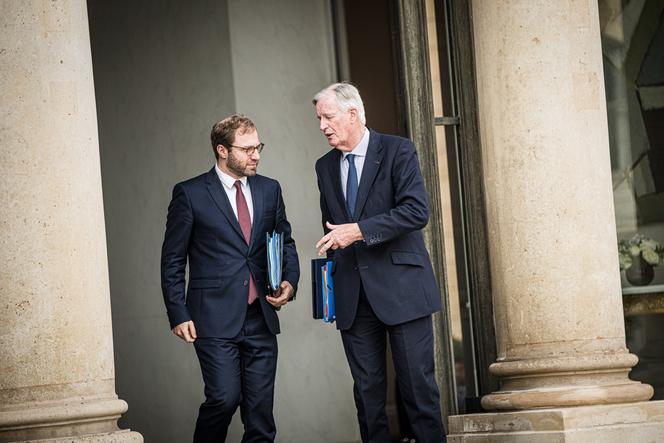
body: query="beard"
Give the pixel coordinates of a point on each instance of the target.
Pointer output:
(239, 167)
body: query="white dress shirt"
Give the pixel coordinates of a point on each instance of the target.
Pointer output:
(360, 152)
(228, 183)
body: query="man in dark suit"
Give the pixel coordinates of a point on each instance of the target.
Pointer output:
(374, 205)
(218, 222)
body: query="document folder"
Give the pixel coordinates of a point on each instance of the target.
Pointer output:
(322, 290)
(275, 258)
(316, 288)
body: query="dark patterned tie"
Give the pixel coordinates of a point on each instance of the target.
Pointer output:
(245, 224)
(351, 185)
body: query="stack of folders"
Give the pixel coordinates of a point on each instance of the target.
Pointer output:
(275, 255)
(322, 290)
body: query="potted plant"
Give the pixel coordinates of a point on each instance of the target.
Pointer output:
(638, 256)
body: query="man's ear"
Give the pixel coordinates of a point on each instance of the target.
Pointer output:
(222, 151)
(353, 115)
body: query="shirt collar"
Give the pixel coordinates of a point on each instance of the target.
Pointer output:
(227, 180)
(362, 146)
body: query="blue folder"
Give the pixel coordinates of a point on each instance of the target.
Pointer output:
(328, 293)
(322, 290)
(275, 257)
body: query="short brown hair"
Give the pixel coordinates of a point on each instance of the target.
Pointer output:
(224, 131)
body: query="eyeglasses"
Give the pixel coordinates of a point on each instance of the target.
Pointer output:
(249, 150)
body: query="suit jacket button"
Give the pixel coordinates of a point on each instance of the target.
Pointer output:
(245, 283)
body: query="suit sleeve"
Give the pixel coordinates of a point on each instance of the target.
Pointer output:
(291, 264)
(411, 209)
(174, 256)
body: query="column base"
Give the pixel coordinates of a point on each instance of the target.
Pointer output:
(570, 396)
(619, 423)
(566, 381)
(84, 420)
(123, 436)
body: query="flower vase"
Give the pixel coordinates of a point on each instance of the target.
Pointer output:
(641, 273)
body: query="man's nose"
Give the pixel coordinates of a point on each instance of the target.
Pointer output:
(322, 125)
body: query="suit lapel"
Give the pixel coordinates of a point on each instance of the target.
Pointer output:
(218, 194)
(369, 171)
(257, 200)
(334, 171)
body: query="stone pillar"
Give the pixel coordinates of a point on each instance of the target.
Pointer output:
(552, 236)
(56, 344)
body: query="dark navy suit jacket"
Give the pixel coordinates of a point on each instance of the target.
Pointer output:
(202, 228)
(392, 262)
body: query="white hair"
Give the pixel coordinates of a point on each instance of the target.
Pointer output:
(347, 97)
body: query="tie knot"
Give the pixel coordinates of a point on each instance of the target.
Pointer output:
(238, 184)
(350, 158)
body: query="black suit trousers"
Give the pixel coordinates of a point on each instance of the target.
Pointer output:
(238, 372)
(412, 352)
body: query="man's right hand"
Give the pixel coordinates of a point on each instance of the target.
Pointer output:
(186, 331)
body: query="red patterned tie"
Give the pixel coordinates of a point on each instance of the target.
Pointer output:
(245, 224)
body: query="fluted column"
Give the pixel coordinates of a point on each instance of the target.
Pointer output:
(56, 343)
(552, 235)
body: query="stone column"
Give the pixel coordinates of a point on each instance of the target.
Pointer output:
(56, 344)
(552, 235)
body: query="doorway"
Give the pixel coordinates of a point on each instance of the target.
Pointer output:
(411, 68)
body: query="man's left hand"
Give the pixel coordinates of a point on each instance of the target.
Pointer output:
(281, 297)
(339, 236)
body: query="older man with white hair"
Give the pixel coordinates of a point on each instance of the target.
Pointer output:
(374, 205)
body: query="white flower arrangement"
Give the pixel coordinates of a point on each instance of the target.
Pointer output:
(646, 248)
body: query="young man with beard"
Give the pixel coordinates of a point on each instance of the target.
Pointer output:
(217, 222)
